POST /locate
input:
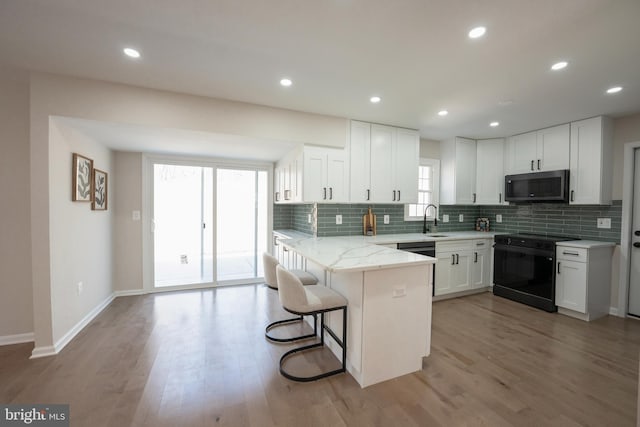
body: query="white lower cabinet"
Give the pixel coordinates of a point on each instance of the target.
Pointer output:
(583, 278)
(463, 265)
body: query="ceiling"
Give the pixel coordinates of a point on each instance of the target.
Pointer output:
(414, 54)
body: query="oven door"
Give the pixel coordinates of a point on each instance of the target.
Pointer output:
(525, 274)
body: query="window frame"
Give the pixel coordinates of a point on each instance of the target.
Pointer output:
(435, 192)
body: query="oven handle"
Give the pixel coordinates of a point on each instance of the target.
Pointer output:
(520, 250)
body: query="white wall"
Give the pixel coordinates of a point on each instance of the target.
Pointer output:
(429, 149)
(80, 238)
(625, 129)
(16, 313)
(127, 256)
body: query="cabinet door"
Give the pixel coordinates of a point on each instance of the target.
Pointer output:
(465, 180)
(452, 272)
(521, 153)
(553, 148)
(382, 145)
(490, 172)
(571, 285)
(480, 268)
(460, 277)
(406, 164)
(337, 176)
(587, 163)
(443, 268)
(314, 176)
(360, 162)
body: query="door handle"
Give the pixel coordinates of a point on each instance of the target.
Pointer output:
(500, 198)
(453, 259)
(538, 164)
(324, 193)
(532, 165)
(637, 232)
(558, 267)
(457, 259)
(368, 194)
(572, 193)
(330, 193)
(636, 245)
(474, 197)
(394, 195)
(476, 257)
(277, 196)
(398, 195)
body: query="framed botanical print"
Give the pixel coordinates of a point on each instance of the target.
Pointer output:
(99, 190)
(81, 178)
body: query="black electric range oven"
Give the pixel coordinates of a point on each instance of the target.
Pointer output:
(524, 269)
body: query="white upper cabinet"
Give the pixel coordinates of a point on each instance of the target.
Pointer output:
(490, 171)
(384, 164)
(458, 171)
(590, 179)
(325, 175)
(542, 150)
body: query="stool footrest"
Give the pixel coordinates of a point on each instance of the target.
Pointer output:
(277, 323)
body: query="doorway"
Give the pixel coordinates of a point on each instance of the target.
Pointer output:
(634, 240)
(209, 225)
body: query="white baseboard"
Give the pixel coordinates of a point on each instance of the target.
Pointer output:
(43, 352)
(66, 338)
(614, 311)
(130, 292)
(16, 339)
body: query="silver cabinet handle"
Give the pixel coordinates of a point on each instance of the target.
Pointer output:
(532, 165)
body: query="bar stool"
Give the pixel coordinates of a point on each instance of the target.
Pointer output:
(311, 301)
(269, 264)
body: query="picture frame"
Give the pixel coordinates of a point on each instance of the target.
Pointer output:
(81, 178)
(99, 190)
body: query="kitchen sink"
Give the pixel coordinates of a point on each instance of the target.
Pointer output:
(437, 235)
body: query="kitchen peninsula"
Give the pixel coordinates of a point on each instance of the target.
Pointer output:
(389, 294)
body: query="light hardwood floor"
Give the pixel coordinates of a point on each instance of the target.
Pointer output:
(199, 358)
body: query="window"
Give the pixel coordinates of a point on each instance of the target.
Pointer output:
(428, 187)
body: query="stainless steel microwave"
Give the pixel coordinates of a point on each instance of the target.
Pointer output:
(552, 186)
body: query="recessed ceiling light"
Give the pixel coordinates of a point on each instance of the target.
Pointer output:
(614, 89)
(286, 82)
(443, 112)
(559, 65)
(494, 124)
(477, 32)
(131, 52)
(375, 99)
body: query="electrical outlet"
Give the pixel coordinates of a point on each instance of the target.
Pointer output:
(498, 218)
(399, 291)
(461, 218)
(445, 218)
(604, 223)
(135, 215)
(386, 219)
(339, 219)
(309, 218)
(80, 288)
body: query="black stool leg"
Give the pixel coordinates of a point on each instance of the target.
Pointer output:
(300, 318)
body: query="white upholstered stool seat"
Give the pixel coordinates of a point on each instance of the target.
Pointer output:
(269, 265)
(311, 300)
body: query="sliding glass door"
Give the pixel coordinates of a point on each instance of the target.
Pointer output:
(210, 224)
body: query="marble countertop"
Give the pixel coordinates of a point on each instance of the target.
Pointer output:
(587, 244)
(361, 253)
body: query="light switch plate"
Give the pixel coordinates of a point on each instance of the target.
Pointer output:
(461, 218)
(135, 215)
(386, 219)
(498, 218)
(445, 218)
(338, 219)
(604, 223)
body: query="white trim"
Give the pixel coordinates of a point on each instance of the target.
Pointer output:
(130, 292)
(613, 311)
(39, 352)
(17, 339)
(435, 192)
(627, 217)
(66, 338)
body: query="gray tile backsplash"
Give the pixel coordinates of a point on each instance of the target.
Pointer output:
(540, 218)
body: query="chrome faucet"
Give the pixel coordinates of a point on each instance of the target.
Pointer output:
(424, 221)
